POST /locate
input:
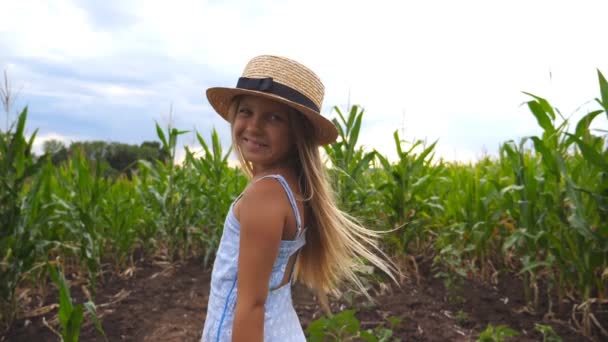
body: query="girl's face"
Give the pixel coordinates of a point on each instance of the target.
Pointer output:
(261, 131)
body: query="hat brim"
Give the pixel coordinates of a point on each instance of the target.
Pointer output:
(220, 99)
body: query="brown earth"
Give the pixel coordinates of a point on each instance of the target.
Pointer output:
(167, 302)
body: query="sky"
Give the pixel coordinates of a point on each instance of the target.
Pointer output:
(452, 71)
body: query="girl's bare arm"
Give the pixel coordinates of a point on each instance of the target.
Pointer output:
(262, 218)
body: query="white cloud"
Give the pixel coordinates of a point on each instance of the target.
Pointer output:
(55, 30)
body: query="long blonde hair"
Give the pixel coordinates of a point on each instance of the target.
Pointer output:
(335, 241)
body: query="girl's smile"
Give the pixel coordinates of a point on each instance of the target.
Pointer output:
(252, 143)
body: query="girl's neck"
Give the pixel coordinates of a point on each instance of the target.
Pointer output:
(286, 169)
(282, 170)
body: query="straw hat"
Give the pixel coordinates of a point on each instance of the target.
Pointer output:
(282, 80)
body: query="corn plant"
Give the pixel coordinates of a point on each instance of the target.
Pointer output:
(71, 316)
(20, 216)
(166, 209)
(408, 205)
(559, 201)
(122, 214)
(466, 237)
(79, 195)
(527, 203)
(213, 186)
(149, 185)
(350, 163)
(471, 222)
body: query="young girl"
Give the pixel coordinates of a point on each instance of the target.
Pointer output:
(285, 225)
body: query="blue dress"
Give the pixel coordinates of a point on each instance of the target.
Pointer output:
(281, 323)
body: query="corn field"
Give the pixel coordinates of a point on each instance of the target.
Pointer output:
(538, 210)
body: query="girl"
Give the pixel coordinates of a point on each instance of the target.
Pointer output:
(285, 224)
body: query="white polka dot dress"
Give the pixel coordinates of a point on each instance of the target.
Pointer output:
(281, 323)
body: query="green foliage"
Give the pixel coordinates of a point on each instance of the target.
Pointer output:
(350, 163)
(408, 205)
(19, 244)
(471, 201)
(344, 326)
(549, 335)
(559, 202)
(168, 212)
(78, 198)
(603, 100)
(215, 186)
(122, 214)
(462, 317)
(71, 316)
(496, 334)
(120, 158)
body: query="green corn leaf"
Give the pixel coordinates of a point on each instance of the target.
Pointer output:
(217, 147)
(31, 141)
(420, 181)
(398, 144)
(548, 157)
(173, 133)
(583, 124)
(351, 118)
(341, 116)
(534, 265)
(74, 324)
(21, 123)
(603, 91)
(163, 139)
(544, 105)
(341, 132)
(510, 147)
(590, 154)
(414, 145)
(513, 239)
(65, 300)
(510, 188)
(91, 309)
(354, 136)
(541, 116)
(203, 144)
(425, 153)
(225, 160)
(383, 161)
(361, 165)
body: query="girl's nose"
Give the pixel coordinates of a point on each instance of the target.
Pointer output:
(255, 122)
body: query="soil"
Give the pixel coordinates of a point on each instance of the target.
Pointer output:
(159, 301)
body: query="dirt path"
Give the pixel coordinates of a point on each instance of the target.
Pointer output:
(163, 302)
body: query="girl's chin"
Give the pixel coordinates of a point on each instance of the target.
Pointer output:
(254, 159)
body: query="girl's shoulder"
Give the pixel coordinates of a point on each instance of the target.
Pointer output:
(267, 188)
(265, 195)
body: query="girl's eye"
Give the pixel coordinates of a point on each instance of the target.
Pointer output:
(244, 111)
(276, 117)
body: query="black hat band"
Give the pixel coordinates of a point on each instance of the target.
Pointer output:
(267, 85)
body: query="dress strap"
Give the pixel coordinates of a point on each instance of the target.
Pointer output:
(291, 197)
